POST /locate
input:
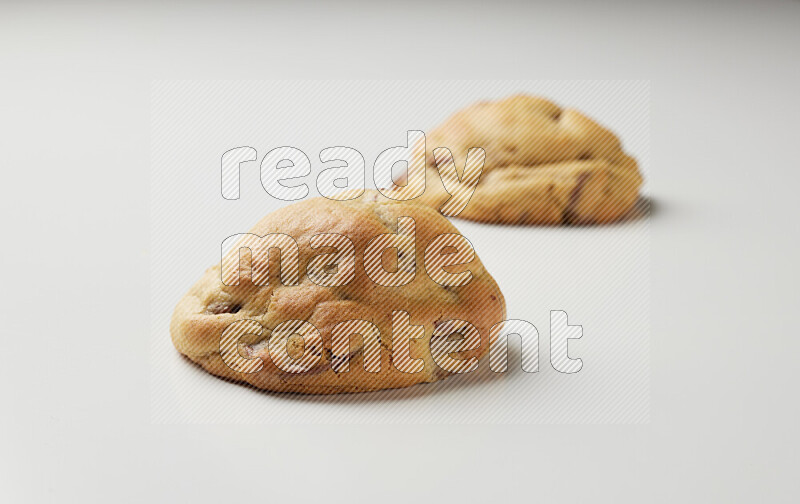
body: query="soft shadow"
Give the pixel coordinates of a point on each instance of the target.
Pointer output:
(480, 378)
(645, 207)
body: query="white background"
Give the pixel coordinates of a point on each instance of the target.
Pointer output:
(75, 118)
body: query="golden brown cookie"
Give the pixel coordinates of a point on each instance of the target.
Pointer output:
(544, 164)
(211, 306)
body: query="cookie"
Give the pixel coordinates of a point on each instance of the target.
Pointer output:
(245, 313)
(544, 164)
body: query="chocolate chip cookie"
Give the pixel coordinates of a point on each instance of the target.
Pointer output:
(544, 164)
(287, 328)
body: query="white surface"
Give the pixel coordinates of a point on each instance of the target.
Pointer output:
(75, 135)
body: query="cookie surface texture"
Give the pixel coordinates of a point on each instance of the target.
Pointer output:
(545, 165)
(211, 306)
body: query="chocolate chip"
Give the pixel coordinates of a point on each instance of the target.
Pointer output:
(219, 307)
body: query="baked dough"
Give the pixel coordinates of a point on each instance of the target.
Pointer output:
(544, 164)
(210, 306)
